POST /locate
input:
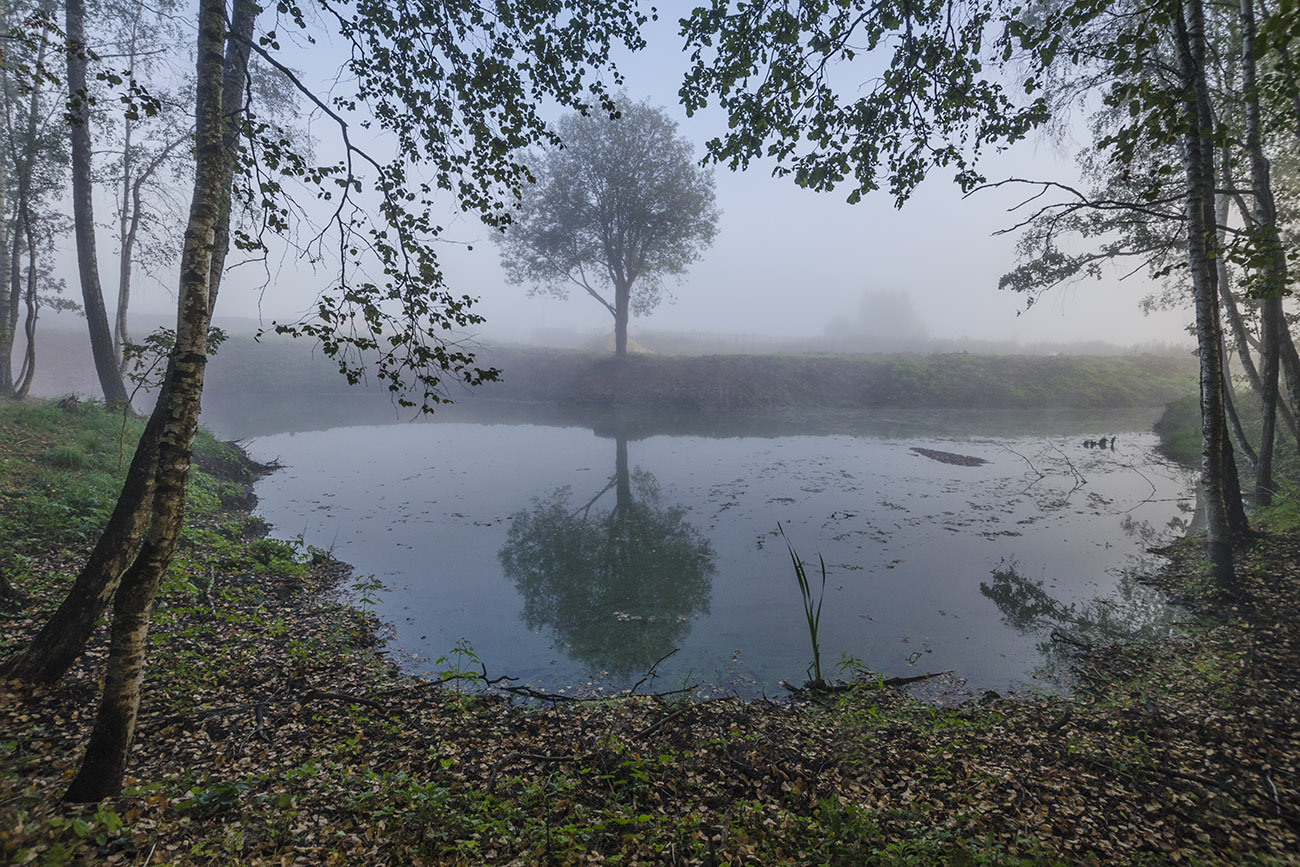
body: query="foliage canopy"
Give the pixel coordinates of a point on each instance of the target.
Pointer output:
(617, 207)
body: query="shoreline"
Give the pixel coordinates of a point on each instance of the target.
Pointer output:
(275, 726)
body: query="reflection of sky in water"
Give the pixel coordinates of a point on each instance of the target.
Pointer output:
(907, 539)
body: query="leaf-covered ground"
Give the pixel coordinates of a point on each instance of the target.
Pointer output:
(274, 731)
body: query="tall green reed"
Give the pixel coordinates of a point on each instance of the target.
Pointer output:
(812, 609)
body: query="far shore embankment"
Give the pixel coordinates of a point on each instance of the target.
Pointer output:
(747, 382)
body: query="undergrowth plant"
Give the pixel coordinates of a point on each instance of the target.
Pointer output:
(812, 609)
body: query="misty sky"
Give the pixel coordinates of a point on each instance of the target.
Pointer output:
(786, 261)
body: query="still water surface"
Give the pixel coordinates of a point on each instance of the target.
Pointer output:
(575, 557)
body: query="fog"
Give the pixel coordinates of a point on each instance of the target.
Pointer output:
(789, 266)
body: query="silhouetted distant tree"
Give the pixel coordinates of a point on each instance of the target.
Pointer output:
(617, 208)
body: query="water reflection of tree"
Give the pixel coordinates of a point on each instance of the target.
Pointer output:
(1133, 613)
(619, 590)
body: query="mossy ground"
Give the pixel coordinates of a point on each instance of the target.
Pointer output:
(275, 731)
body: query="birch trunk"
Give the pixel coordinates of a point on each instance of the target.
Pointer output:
(104, 765)
(1290, 357)
(233, 84)
(6, 330)
(1198, 164)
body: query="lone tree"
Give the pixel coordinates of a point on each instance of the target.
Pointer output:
(620, 205)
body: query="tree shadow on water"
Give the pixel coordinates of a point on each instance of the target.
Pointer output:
(617, 589)
(1131, 613)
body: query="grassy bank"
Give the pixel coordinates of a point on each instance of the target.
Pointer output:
(274, 730)
(954, 380)
(1179, 429)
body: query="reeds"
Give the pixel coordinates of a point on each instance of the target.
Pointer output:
(812, 611)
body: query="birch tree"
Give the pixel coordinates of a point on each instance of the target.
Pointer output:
(457, 86)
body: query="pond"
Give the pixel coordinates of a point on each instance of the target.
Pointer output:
(574, 556)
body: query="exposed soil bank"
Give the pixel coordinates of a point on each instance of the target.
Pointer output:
(273, 732)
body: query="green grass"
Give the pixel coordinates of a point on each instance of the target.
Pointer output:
(63, 469)
(831, 380)
(1179, 429)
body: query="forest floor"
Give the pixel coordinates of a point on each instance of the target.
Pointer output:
(274, 730)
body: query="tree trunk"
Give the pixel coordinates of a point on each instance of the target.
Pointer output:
(1290, 358)
(27, 372)
(6, 330)
(1290, 363)
(1236, 323)
(1238, 523)
(128, 232)
(233, 84)
(12, 292)
(1198, 163)
(83, 214)
(622, 477)
(622, 306)
(9, 96)
(106, 756)
(1270, 327)
(1234, 421)
(1264, 234)
(128, 224)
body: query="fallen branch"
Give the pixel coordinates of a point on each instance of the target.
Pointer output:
(652, 673)
(899, 681)
(903, 681)
(529, 692)
(818, 690)
(661, 722)
(1079, 480)
(493, 681)
(1040, 475)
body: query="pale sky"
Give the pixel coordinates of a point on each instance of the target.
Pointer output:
(786, 261)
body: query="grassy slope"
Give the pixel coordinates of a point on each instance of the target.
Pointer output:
(273, 731)
(754, 381)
